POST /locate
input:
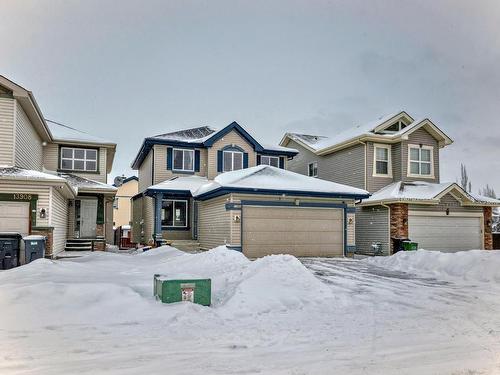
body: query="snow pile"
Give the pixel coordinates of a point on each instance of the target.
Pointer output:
(473, 265)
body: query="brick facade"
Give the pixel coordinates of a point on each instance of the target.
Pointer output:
(488, 235)
(399, 222)
(49, 243)
(99, 231)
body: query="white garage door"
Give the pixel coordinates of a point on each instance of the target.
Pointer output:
(446, 233)
(300, 231)
(14, 217)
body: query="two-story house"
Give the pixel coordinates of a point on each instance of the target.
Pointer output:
(222, 187)
(396, 159)
(52, 177)
(127, 188)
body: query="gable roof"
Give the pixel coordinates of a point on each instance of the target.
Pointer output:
(265, 179)
(203, 137)
(425, 192)
(322, 145)
(65, 133)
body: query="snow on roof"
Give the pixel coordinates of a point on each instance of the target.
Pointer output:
(190, 183)
(193, 135)
(265, 177)
(9, 172)
(483, 199)
(81, 183)
(62, 132)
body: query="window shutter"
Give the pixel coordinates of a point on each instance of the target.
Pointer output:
(169, 158)
(258, 159)
(219, 161)
(245, 160)
(282, 162)
(196, 160)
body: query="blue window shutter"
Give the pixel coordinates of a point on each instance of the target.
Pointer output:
(258, 159)
(219, 161)
(282, 162)
(245, 160)
(169, 158)
(196, 160)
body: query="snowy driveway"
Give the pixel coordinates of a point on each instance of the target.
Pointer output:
(96, 315)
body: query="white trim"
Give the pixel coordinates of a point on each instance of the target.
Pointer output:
(269, 158)
(232, 152)
(183, 150)
(173, 214)
(443, 213)
(84, 160)
(423, 147)
(312, 163)
(389, 160)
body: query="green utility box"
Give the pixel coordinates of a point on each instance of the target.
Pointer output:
(193, 290)
(410, 246)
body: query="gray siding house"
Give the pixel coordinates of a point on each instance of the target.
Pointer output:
(396, 159)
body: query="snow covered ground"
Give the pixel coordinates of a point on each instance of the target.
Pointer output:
(413, 313)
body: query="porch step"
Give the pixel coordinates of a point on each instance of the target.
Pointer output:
(188, 246)
(79, 244)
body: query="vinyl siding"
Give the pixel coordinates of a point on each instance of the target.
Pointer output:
(109, 233)
(137, 226)
(213, 223)
(160, 165)
(59, 220)
(447, 201)
(51, 162)
(374, 183)
(372, 225)
(142, 220)
(396, 161)
(231, 138)
(29, 150)
(345, 167)
(43, 193)
(145, 172)
(148, 217)
(7, 131)
(421, 136)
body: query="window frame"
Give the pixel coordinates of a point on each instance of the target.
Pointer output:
(431, 161)
(84, 160)
(183, 150)
(389, 160)
(173, 226)
(315, 167)
(232, 152)
(269, 157)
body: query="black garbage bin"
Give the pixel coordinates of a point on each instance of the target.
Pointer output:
(398, 243)
(10, 243)
(34, 248)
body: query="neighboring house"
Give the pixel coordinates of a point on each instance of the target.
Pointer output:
(122, 205)
(223, 187)
(52, 177)
(396, 159)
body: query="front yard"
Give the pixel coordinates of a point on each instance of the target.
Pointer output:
(419, 313)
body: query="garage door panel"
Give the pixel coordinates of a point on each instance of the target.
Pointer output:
(292, 230)
(14, 217)
(446, 233)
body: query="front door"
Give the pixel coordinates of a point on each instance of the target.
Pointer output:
(88, 218)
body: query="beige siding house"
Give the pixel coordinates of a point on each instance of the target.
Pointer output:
(52, 177)
(396, 159)
(122, 206)
(204, 188)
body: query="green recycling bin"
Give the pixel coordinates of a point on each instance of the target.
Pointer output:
(176, 290)
(410, 246)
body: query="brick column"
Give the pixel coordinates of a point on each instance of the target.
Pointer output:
(49, 243)
(99, 232)
(399, 221)
(488, 236)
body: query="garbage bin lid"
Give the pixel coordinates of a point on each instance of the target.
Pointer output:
(34, 237)
(10, 234)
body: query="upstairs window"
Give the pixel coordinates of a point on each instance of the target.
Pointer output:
(394, 128)
(420, 161)
(183, 160)
(78, 159)
(312, 169)
(382, 161)
(273, 161)
(232, 161)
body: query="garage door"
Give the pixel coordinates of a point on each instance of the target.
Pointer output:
(14, 217)
(446, 233)
(292, 230)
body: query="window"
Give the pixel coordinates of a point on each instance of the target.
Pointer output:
(382, 166)
(420, 161)
(183, 160)
(394, 128)
(174, 213)
(312, 169)
(233, 161)
(273, 161)
(115, 203)
(78, 159)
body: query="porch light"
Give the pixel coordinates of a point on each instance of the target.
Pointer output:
(43, 213)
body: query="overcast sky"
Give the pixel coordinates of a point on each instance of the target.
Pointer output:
(125, 70)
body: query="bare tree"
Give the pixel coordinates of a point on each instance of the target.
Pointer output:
(464, 179)
(488, 191)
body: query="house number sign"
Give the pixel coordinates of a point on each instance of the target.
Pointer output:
(22, 197)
